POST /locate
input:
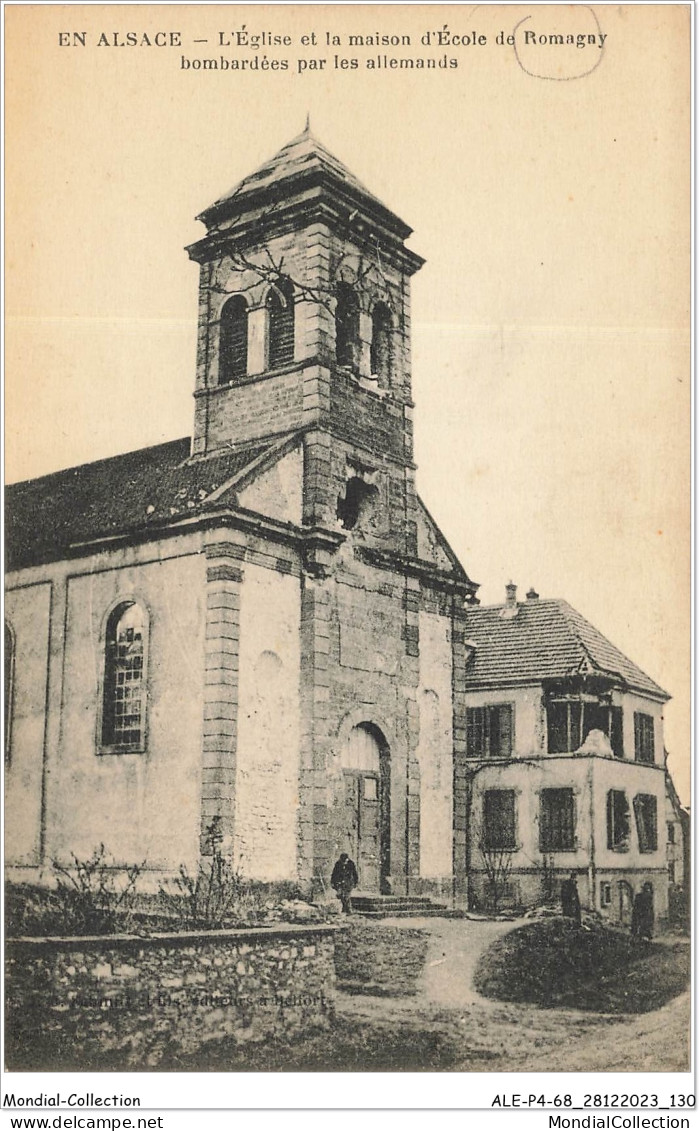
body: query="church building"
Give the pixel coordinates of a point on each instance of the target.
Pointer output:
(260, 627)
(260, 632)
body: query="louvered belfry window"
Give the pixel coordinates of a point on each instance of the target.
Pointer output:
(233, 344)
(280, 324)
(123, 708)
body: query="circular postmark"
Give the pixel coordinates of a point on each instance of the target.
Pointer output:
(559, 44)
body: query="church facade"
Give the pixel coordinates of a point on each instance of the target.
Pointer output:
(259, 634)
(260, 629)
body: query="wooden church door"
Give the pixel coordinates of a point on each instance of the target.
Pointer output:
(366, 815)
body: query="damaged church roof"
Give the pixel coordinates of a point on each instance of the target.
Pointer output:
(46, 516)
(543, 639)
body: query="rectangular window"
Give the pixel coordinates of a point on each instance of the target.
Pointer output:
(490, 731)
(644, 737)
(606, 895)
(670, 833)
(571, 720)
(556, 820)
(499, 818)
(671, 872)
(618, 820)
(645, 808)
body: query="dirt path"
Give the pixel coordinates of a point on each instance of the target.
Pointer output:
(510, 1037)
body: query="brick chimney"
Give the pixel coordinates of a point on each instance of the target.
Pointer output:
(532, 595)
(511, 595)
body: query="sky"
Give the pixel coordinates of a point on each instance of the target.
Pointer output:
(548, 189)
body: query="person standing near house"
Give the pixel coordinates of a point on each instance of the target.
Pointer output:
(344, 879)
(570, 900)
(642, 917)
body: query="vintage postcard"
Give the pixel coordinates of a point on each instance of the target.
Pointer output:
(347, 609)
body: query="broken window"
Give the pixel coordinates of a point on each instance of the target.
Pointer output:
(356, 507)
(498, 819)
(645, 808)
(571, 720)
(123, 704)
(618, 820)
(556, 820)
(347, 327)
(490, 731)
(644, 737)
(381, 325)
(233, 342)
(280, 323)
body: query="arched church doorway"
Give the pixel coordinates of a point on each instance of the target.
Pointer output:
(366, 813)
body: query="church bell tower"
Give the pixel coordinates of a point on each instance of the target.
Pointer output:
(304, 327)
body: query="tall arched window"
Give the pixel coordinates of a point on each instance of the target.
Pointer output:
(9, 688)
(381, 344)
(280, 323)
(233, 342)
(124, 697)
(347, 327)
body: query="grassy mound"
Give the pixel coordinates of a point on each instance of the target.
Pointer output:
(555, 962)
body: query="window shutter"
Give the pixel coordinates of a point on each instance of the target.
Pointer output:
(475, 746)
(616, 738)
(505, 729)
(610, 819)
(557, 720)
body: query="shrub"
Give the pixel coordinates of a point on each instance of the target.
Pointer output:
(90, 897)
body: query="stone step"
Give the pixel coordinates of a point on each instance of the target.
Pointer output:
(390, 908)
(417, 913)
(391, 900)
(373, 906)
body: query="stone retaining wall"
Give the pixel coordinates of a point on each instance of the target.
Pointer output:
(123, 1001)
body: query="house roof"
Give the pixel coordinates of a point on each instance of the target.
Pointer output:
(44, 517)
(301, 159)
(545, 639)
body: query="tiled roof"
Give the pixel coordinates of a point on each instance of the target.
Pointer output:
(546, 639)
(44, 517)
(299, 157)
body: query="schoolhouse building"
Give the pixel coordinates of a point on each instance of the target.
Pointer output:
(261, 629)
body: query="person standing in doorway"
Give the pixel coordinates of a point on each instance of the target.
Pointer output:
(344, 879)
(570, 900)
(642, 917)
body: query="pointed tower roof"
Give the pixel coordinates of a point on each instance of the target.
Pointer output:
(301, 163)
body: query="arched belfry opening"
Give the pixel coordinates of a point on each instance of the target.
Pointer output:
(347, 347)
(366, 808)
(381, 344)
(233, 345)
